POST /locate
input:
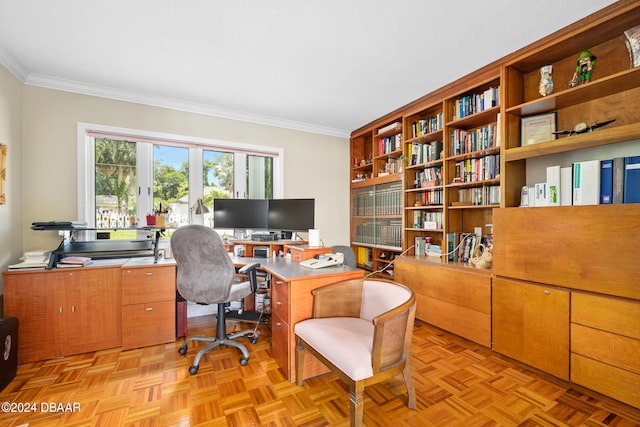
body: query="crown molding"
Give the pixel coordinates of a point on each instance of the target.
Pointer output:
(121, 95)
(9, 62)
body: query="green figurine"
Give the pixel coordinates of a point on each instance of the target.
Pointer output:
(586, 61)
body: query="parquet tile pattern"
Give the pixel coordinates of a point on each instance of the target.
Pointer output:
(457, 384)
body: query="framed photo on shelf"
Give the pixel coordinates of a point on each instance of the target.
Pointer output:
(536, 129)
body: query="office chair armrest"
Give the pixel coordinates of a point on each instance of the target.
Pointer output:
(250, 270)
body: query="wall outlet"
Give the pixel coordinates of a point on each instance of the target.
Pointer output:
(478, 231)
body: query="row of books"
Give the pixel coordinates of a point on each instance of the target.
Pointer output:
(480, 196)
(424, 247)
(425, 126)
(389, 144)
(589, 182)
(391, 166)
(427, 220)
(463, 141)
(429, 198)
(365, 256)
(425, 153)
(475, 103)
(460, 246)
(388, 233)
(385, 201)
(428, 177)
(473, 170)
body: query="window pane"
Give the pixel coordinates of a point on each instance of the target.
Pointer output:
(259, 177)
(171, 183)
(217, 178)
(115, 182)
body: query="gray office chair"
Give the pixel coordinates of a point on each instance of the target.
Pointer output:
(206, 275)
(349, 255)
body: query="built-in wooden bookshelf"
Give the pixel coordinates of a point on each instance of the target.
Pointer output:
(376, 195)
(549, 272)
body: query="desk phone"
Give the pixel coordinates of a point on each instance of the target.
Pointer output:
(323, 260)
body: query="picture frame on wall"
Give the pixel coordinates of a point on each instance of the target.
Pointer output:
(538, 128)
(3, 173)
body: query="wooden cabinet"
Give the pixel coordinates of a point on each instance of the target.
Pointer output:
(451, 297)
(64, 312)
(531, 324)
(377, 160)
(148, 305)
(605, 344)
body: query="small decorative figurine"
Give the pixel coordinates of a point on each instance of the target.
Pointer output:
(546, 83)
(586, 61)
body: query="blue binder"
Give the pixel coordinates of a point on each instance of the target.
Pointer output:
(632, 179)
(606, 182)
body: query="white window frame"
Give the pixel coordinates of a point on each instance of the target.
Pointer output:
(87, 132)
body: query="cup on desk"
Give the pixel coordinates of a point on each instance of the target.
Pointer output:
(151, 220)
(160, 220)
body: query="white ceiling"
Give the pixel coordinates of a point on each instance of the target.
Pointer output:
(325, 66)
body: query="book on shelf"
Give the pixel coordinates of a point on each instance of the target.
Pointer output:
(389, 127)
(452, 244)
(612, 181)
(554, 190)
(632, 179)
(586, 182)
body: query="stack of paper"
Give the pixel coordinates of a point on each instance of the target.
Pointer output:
(73, 261)
(32, 260)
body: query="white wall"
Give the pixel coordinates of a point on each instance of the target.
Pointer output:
(315, 166)
(11, 135)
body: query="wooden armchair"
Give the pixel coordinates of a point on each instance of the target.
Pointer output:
(361, 329)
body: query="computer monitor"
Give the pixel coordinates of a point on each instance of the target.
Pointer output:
(240, 213)
(291, 214)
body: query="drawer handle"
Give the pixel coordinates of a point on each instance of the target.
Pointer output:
(149, 309)
(149, 274)
(60, 310)
(547, 293)
(73, 308)
(278, 303)
(278, 324)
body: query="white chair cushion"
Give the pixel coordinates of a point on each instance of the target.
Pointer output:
(344, 341)
(380, 297)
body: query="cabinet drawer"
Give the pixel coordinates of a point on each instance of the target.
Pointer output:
(606, 379)
(148, 324)
(606, 347)
(145, 284)
(280, 342)
(280, 299)
(606, 313)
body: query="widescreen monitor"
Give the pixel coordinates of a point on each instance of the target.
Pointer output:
(240, 213)
(291, 214)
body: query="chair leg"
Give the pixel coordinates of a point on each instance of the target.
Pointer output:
(411, 390)
(356, 404)
(299, 362)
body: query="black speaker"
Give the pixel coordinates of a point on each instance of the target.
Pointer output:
(9, 347)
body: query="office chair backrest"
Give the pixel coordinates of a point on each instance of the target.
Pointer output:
(349, 255)
(205, 270)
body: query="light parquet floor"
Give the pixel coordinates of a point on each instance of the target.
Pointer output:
(457, 383)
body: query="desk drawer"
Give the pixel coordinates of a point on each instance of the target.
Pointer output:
(148, 324)
(145, 284)
(280, 299)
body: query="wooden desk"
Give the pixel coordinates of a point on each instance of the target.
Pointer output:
(291, 302)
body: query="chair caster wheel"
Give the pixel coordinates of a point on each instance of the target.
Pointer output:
(254, 340)
(244, 361)
(183, 350)
(193, 370)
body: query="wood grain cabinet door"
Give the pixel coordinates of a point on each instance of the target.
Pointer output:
(530, 323)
